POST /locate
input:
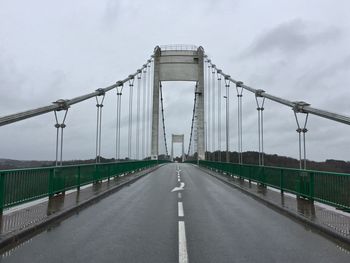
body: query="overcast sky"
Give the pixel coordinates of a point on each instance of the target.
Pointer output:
(50, 50)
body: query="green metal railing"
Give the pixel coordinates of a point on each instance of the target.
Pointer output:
(25, 185)
(326, 187)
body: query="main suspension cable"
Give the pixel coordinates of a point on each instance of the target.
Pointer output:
(5, 120)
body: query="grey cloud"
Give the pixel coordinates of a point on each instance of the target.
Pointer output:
(112, 12)
(320, 74)
(294, 37)
(12, 82)
(22, 90)
(318, 85)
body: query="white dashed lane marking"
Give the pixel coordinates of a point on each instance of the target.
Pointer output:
(183, 256)
(180, 209)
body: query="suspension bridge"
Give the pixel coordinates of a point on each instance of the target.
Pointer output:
(199, 210)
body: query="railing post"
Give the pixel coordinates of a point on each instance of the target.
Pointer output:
(120, 169)
(2, 193)
(96, 174)
(51, 182)
(264, 179)
(250, 176)
(282, 181)
(64, 182)
(78, 182)
(312, 186)
(263, 176)
(240, 170)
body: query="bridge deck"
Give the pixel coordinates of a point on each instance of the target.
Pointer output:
(144, 223)
(327, 217)
(33, 213)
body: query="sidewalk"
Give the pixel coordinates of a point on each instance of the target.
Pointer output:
(27, 219)
(322, 217)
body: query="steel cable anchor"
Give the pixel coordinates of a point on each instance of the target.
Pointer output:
(63, 106)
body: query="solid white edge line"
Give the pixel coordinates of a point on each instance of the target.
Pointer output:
(180, 209)
(183, 256)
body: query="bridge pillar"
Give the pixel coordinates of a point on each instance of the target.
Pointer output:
(155, 110)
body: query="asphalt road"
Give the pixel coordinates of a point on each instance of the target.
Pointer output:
(207, 221)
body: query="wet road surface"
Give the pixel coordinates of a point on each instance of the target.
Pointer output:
(207, 221)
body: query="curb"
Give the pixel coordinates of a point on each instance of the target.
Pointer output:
(324, 230)
(11, 239)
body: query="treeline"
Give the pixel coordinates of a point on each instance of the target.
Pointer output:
(329, 165)
(7, 164)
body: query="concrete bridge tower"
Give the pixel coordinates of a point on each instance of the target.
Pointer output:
(178, 63)
(178, 138)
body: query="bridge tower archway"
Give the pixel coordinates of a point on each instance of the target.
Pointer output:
(178, 63)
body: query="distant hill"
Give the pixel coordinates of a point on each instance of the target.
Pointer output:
(7, 164)
(18, 164)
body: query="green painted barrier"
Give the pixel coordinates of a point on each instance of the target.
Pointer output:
(25, 185)
(325, 187)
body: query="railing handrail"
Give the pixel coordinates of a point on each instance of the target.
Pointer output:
(326, 187)
(68, 165)
(285, 168)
